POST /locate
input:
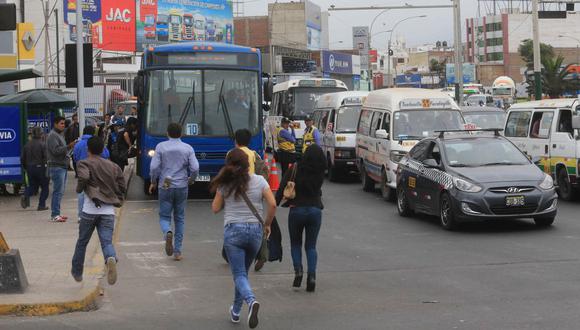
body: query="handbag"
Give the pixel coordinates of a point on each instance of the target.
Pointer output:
(290, 189)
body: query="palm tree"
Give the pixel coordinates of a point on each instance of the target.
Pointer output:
(557, 79)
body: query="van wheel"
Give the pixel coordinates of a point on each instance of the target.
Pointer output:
(565, 190)
(446, 215)
(387, 192)
(367, 183)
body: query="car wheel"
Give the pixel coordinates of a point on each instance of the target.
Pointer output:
(403, 203)
(387, 192)
(544, 221)
(446, 215)
(565, 190)
(367, 183)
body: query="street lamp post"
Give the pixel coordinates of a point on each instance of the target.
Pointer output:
(370, 46)
(577, 46)
(389, 45)
(537, 59)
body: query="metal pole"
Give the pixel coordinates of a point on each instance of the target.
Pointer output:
(389, 61)
(46, 44)
(458, 53)
(57, 49)
(80, 66)
(537, 59)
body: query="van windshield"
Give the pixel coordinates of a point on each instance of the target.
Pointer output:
(305, 98)
(347, 119)
(416, 124)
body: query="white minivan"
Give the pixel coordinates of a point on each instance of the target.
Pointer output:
(336, 117)
(547, 131)
(391, 122)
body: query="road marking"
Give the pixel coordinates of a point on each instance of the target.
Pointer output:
(150, 243)
(171, 291)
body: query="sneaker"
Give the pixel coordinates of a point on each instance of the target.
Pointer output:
(235, 318)
(78, 278)
(177, 256)
(169, 243)
(64, 217)
(57, 218)
(42, 208)
(253, 314)
(24, 201)
(111, 270)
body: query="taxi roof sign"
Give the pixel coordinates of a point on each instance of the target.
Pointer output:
(430, 103)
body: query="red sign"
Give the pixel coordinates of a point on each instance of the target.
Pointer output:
(373, 56)
(118, 25)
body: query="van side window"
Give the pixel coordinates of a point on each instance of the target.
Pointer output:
(541, 124)
(386, 125)
(565, 122)
(376, 123)
(364, 123)
(517, 124)
(331, 120)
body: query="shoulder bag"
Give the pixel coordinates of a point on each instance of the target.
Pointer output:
(290, 189)
(263, 253)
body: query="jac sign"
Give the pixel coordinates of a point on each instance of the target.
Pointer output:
(119, 15)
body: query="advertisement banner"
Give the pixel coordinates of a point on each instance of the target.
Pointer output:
(360, 41)
(409, 80)
(468, 73)
(313, 26)
(165, 21)
(336, 63)
(10, 144)
(107, 24)
(373, 56)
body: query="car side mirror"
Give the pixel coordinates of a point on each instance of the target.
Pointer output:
(430, 163)
(382, 134)
(536, 160)
(576, 122)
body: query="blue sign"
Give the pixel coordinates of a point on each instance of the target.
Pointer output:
(409, 80)
(43, 121)
(10, 144)
(468, 73)
(336, 63)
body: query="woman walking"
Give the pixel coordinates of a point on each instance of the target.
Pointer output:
(305, 211)
(240, 195)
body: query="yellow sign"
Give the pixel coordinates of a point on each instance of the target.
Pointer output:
(8, 62)
(412, 182)
(26, 41)
(426, 103)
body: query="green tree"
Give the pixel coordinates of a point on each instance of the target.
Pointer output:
(556, 78)
(526, 51)
(438, 68)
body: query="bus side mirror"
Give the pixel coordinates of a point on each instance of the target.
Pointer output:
(265, 107)
(139, 85)
(268, 90)
(576, 122)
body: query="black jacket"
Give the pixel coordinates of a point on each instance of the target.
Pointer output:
(303, 198)
(34, 153)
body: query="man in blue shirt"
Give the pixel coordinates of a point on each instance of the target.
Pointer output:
(173, 167)
(80, 152)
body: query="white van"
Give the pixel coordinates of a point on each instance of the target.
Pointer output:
(391, 122)
(547, 131)
(336, 117)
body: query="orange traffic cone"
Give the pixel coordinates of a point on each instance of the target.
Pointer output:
(274, 180)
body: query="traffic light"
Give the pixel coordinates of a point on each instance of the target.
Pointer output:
(391, 53)
(7, 17)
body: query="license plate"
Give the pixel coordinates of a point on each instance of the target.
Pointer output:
(515, 201)
(202, 178)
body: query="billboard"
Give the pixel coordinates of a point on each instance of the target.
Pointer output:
(10, 144)
(468, 73)
(408, 80)
(336, 63)
(313, 26)
(107, 24)
(165, 21)
(360, 41)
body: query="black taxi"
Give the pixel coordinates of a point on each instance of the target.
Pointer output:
(460, 176)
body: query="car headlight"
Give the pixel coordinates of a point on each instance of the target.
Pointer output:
(151, 153)
(397, 155)
(466, 186)
(547, 183)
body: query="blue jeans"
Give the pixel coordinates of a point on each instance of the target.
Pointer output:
(58, 177)
(242, 242)
(80, 203)
(173, 200)
(37, 179)
(105, 225)
(303, 219)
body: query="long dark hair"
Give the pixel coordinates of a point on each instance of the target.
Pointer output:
(234, 176)
(310, 174)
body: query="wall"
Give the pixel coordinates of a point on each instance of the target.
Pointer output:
(252, 31)
(488, 72)
(288, 24)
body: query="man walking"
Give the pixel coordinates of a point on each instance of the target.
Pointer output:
(80, 152)
(103, 185)
(34, 161)
(58, 160)
(173, 166)
(286, 148)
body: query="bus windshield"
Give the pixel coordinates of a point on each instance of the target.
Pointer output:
(502, 91)
(416, 124)
(305, 98)
(205, 102)
(347, 119)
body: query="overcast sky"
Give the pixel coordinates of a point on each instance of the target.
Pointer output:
(438, 25)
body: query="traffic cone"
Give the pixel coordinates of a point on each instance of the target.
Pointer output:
(274, 180)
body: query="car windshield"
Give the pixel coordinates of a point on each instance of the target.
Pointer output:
(490, 119)
(347, 119)
(305, 98)
(416, 124)
(180, 96)
(483, 152)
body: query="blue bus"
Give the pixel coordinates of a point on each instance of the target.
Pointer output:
(211, 89)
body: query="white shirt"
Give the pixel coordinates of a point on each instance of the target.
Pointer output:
(90, 208)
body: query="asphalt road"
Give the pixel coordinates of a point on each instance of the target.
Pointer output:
(376, 271)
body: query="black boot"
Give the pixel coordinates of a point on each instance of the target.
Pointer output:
(297, 278)
(311, 282)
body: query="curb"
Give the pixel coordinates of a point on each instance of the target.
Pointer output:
(89, 298)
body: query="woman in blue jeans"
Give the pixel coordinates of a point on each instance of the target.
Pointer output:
(243, 230)
(305, 211)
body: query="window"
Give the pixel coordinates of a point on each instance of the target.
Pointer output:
(400, 60)
(541, 124)
(494, 42)
(565, 122)
(324, 120)
(419, 151)
(386, 125)
(364, 123)
(332, 117)
(435, 153)
(517, 124)
(376, 124)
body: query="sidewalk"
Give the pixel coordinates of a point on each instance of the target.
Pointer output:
(46, 249)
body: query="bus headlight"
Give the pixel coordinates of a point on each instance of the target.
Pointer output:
(151, 153)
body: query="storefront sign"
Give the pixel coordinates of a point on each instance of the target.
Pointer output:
(333, 62)
(10, 144)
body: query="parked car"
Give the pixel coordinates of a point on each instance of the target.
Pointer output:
(470, 177)
(484, 117)
(479, 99)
